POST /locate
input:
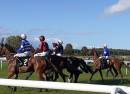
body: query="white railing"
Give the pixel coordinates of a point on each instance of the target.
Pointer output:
(1, 61)
(66, 86)
(87, 62)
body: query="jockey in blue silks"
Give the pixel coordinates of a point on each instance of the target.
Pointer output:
(106, 52)
(25, 48)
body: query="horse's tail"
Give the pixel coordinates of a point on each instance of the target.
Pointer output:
(86, 68)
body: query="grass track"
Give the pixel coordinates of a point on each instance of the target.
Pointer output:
(84, 78)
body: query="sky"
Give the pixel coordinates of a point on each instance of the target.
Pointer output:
(88, 23)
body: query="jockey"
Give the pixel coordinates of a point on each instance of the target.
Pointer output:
(44, 48)
(57, 48)
(106, 52)
(60, 48)
(24, 50)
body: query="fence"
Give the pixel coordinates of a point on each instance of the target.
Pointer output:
(87, 62)
(66, 86)
(1, 61)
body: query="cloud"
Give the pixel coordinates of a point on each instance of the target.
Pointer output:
(120, 6)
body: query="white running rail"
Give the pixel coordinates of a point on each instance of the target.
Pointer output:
(66, 86)
(1, 61)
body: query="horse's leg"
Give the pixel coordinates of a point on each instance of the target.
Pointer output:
(107, 72)
(70, 79)
(41, 77)
(56, 76)
(93, 74)
(16, 77)
(63, 76)
(112, 73)
(121, 76)
(28, 75)
(100, 71)
(110, 70)
(115, 71)
(76, 77)
(10, 75)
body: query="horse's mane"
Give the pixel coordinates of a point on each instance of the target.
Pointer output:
(9, 48)
(95, 51)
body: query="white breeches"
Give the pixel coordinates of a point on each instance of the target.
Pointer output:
(21, 54)
(106, 57)
(59, 54)
(41, 54)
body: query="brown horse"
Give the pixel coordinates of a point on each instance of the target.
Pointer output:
(114, 63)
(35, 64)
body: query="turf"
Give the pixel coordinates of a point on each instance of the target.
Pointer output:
(84, 78)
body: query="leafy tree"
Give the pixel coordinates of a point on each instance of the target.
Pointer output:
(68, 49)
(13, 42)
(84, 51)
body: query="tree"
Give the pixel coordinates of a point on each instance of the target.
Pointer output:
(68, 49)
(84, 51)
(13, 42)
(1, 42)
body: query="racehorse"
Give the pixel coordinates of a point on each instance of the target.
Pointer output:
(35, 64)
(76, 66)
(73, 65)
(114, 63)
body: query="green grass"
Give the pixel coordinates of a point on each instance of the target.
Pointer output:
(84, 78)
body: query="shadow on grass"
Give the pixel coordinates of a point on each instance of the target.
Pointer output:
(108, 82)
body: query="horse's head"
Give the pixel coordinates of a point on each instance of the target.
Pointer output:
(7, 51)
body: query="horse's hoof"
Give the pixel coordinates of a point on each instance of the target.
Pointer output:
(46, 90)
(40, 90)
(69, 81)
(14, 89)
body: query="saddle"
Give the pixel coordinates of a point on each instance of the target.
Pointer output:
(105, 63)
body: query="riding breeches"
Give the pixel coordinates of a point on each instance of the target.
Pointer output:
(41, 54)
(25, 54)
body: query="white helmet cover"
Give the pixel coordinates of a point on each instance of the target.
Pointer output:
(105, 45)
(23, 36)
(60, 41)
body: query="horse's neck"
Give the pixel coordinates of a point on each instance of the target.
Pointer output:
(95, 56)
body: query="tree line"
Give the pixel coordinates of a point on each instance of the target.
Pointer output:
(14, 43)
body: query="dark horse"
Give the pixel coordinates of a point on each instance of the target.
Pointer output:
(114, 63)
(73, 65)
(76, 67)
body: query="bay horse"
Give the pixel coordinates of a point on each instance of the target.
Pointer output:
(35, 64)
(114, 63)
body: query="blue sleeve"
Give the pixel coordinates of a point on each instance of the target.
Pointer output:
(108, 51)
(19, 50)
(21, 46)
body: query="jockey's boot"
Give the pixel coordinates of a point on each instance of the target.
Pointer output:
(19, 61)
